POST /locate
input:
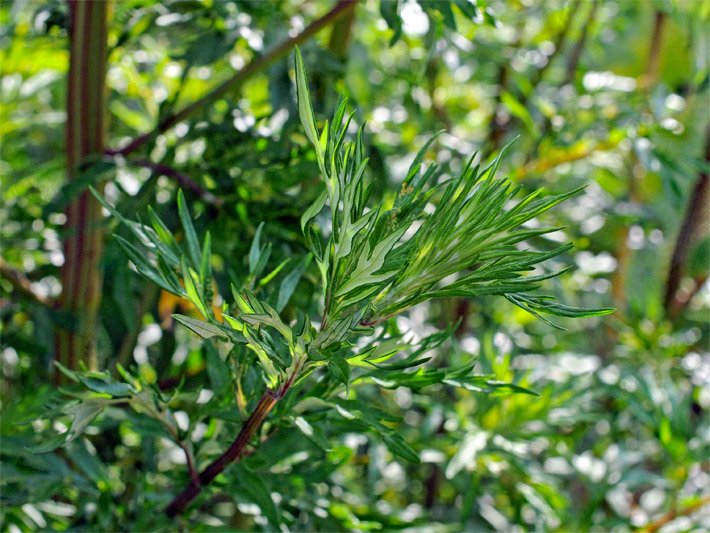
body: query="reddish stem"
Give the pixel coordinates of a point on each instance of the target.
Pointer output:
(235, 451)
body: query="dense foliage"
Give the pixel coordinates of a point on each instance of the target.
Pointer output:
(373, 321)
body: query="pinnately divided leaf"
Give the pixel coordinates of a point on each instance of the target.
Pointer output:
(466, 236)
(469, 245)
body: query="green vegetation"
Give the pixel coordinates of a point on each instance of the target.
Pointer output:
(473, 298)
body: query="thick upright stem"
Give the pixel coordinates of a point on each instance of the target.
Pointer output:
(81, 277)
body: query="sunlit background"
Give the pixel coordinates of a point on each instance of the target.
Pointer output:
(609, 95)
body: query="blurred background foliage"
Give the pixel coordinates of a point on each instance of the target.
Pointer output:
(612, 95)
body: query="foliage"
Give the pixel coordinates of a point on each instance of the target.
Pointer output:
(353, 274)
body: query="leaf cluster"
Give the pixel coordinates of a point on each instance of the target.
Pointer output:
(458, 237)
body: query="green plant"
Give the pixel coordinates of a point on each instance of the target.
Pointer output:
(437, 238)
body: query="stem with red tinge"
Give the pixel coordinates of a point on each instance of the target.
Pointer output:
(239, 446)
(83, 241)
(235, 451)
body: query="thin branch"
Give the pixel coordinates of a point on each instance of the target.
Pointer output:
(237, 81)
(194, 475)
(623, 253)
(576, 53)
(693, 221)
(235, 451)
(21, 284)
(563, 156)
(675, 513)
(183, 180)
(654, 52)
(559, 45)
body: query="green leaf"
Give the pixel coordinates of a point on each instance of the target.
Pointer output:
(271, 275)
(66, 371)
(217, 370)
(340, 369)
(104, 384)
(398, 446)
(503, 386)
(193, 245)
(468, 8)
(483, 384)
(191, 289)
(88, 463)
(290, 282)
(519, 111)
(256, 489)
(162, 230)
(143, 266)
(305, 108)
(49, 445)
(205, 264)
(389, 9)
(313, 210)
(255, 250)
(82, 415)
(202, 328)
(402, 365)
(314, 433)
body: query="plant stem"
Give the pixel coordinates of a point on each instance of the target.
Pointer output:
(238, 448)
(183, 180)
(80, 273)
(693, 225)
(675, 513)
(576, 53)
(235, 451)
(237, 81)
(560, 157)
(21, 284)
(654, 52)
(194, 476)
